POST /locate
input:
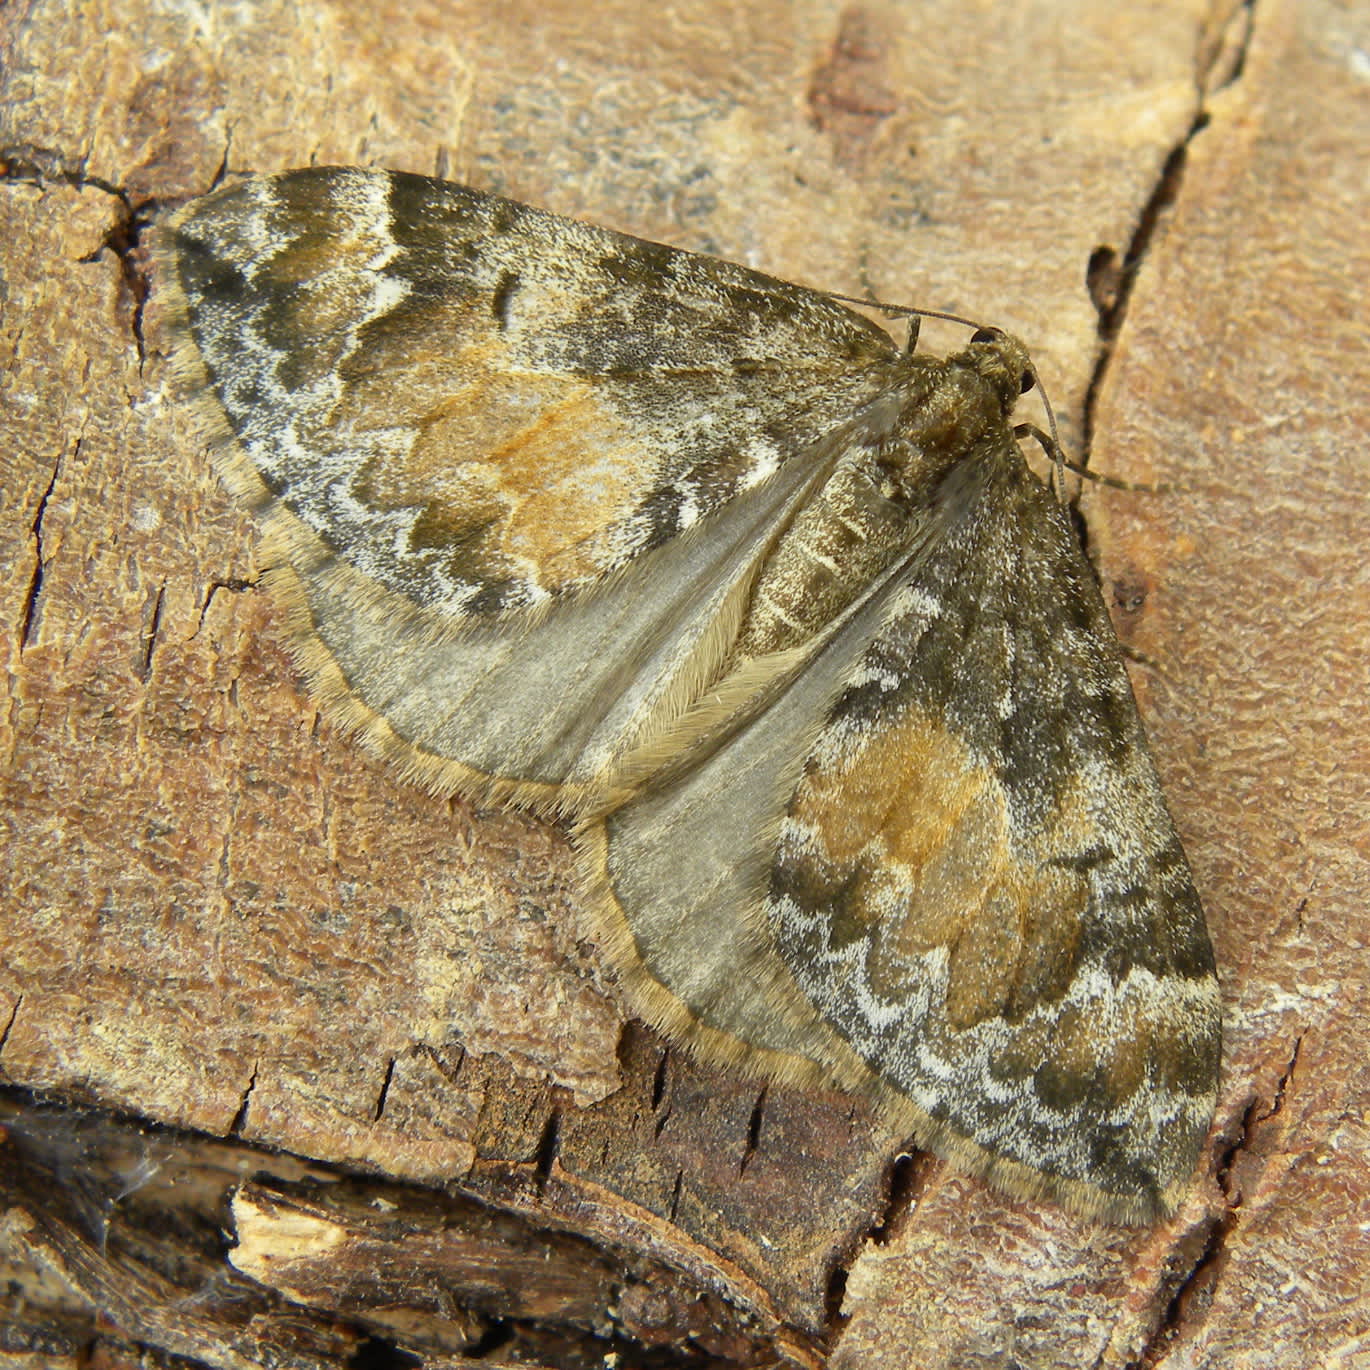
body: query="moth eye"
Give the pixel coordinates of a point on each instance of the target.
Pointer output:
(986, 335)
(1025, 382)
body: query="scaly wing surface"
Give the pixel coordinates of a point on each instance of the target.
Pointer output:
(515, 469)
(966, 894)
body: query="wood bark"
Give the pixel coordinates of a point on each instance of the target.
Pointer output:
(305, 1068)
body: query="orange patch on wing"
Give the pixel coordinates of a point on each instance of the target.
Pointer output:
(1085, 1060)
(1129, 1049)
(563, 473)
(303, 260)
(916, 849)
(515, 474)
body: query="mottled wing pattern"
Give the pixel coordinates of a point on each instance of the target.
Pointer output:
(452, 412)
(483, 405)
(777, 612)
(979, 882)
(976, 907)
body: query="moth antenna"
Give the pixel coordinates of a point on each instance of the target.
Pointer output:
(898, 311)
(1059, 463)
(909, 311)
(903, 311)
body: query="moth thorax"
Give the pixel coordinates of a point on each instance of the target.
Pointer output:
(959, 405)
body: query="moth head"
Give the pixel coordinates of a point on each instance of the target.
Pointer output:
(1004, 362)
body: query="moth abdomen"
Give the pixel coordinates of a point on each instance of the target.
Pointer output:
(836, 546)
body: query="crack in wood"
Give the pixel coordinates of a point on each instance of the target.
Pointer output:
(548, 1148)
(234, 584)
(384, 1091)
(753, 1132)
(9, 1025)
(1204, 1273)
(660, 1078)
(154, 623)
(28, 621)
(240, 1117)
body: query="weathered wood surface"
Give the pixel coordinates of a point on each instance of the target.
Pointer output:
(220, 919)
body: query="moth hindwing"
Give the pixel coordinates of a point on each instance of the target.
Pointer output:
(774, 611)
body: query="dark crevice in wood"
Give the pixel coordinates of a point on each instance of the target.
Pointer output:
(9, 1025)
(151, 1272)
(69, 1148)
(1224, 64)
(33, 595)
(135, 1219)
(660, 1125)
(221, 171)
(497, 1336)
(904, 1181)
(240, 1117)
(448, 1069)
(124, 239)
(753, 1131)
(234, 585)
(835, 1297)
(1201, 1278)
(1112, 300)
(36, 163)
(1285, 1080)
(378, 1353)
(1195, 1289)
(1111, 280)
(384, 1090)
(548, 1148)
(1101, 277)
(659, 1079)
(150, 633)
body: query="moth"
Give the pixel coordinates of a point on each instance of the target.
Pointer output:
(772, 611)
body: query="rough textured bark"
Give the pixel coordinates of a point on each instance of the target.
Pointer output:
(266, 990)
